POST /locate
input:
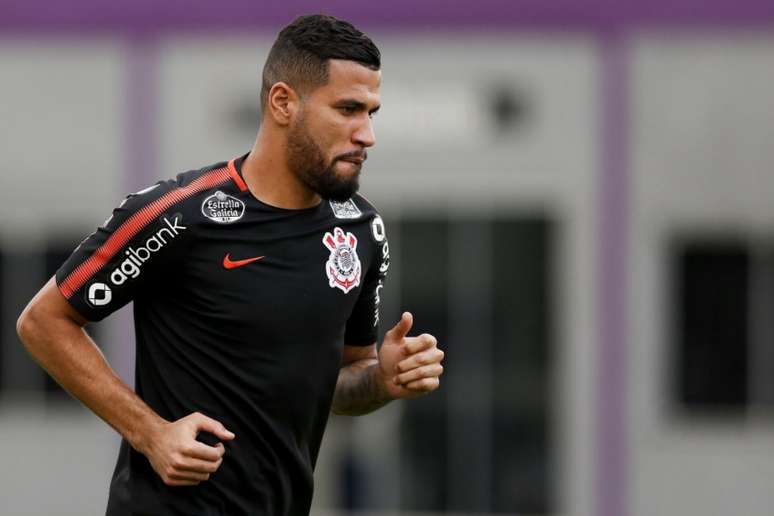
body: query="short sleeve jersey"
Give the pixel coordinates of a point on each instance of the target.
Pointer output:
(241, 310)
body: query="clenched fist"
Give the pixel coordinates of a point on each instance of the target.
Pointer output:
(409, 366)
(178, 458)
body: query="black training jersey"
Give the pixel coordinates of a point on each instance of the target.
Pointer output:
(241, 310)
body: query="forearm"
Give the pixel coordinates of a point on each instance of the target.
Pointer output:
(359, 389)
(69, 355)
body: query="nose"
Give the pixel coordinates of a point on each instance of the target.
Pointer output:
(364, 135)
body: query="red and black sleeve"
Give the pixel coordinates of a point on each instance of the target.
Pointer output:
(106, 270)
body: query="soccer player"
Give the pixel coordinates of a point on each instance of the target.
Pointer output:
(256, 285)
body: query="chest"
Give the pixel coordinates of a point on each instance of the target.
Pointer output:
(279, 281)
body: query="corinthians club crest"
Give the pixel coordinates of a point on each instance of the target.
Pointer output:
(343, 265)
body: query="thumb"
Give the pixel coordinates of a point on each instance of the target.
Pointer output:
(401, 329)
(208, 424)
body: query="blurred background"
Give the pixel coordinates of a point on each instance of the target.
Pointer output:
(579, 197)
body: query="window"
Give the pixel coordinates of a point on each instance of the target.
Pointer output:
(712, 330)
(482, 443)
(723, 292)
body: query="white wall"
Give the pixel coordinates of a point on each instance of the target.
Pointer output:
(702, 161)
(61, 145)
(61, 135)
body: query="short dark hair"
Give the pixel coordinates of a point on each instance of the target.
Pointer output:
(301, 52)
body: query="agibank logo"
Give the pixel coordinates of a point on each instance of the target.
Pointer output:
(136, 256)
(99, 294)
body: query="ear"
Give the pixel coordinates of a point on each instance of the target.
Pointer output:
(282, 103)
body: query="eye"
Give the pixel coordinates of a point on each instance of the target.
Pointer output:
(348, 110)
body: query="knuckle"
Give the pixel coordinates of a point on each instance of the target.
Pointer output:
(418, 385)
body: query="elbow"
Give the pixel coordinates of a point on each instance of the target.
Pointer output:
(25, 324)
(45, 317)
(28, 325)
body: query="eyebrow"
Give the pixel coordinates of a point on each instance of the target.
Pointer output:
(356, 104)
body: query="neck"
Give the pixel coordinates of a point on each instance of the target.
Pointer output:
(270, 180)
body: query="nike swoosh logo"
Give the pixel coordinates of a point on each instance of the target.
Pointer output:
(228, 263)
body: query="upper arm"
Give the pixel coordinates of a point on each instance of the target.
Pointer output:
(354, 353)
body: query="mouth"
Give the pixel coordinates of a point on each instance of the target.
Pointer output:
(355, 158)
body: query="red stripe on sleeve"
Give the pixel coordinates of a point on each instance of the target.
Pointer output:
(133, 225)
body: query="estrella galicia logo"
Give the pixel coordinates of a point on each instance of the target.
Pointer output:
(99, 294)
(223, 208)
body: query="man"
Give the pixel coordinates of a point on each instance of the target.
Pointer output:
(256, 288)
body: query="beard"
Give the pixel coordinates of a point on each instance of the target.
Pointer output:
(307, 161)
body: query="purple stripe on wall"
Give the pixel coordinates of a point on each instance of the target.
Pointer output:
(151, 15)
(140, 168)
(612, 261)
(141, 105)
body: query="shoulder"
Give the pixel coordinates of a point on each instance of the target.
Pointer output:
(358, 210)
(184, 193)
(365, 206)
(371, 214)
(189, 186)
(219, 173)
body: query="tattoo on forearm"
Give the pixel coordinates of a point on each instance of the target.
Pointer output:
(358, 390)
